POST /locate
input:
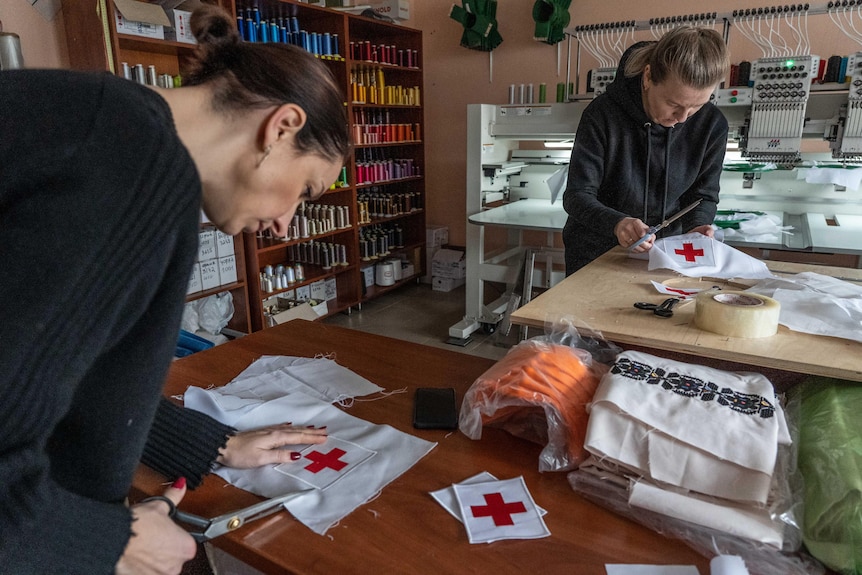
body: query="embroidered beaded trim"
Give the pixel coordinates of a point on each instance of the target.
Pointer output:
(685, 385)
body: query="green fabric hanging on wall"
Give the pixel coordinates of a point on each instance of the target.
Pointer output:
(479, 18)
(551, 18)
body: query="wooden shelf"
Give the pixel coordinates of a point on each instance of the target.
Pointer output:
(91, 49)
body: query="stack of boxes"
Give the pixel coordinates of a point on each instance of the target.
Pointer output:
(448, 268)
(216, 264)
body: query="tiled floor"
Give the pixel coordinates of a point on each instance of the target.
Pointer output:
(419, 314)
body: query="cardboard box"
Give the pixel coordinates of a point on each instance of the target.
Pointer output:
(318, 290)
(446, 284)
(368, 276)
(303, 311)
(140, 19)
(303, 293)
(227, 270)
(398, 10)
(449, 264)
(206, 245)
(179, 13)
(331, 290)
(195, 280)
(436, 236)
(224, 244)
(429, 258)
(209, 274)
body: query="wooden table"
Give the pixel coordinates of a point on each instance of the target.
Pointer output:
(601, 296)
(404, 530)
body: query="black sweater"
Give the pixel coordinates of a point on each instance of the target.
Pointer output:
(99, 212)
(624, 165)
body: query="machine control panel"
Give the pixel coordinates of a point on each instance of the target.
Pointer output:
(600, 78)
(781, 87)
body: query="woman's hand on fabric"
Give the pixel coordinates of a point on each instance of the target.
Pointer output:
(705, 229)
(158, 546)
(264, 446)
(629, 231)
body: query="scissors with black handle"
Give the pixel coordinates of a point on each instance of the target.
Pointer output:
(211, 528)
(663, 309)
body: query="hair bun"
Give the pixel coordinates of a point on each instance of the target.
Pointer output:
(212, 26)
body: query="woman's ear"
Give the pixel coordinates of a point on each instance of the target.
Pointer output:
(285, 121)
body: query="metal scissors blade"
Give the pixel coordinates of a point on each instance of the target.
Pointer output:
(230, 521)
(665, 223)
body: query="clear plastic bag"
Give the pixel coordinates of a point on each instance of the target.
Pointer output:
(539, 391)
(215, 311)
(611, 490)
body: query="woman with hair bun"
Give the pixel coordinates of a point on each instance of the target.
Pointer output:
(114, 175)
(648, 147)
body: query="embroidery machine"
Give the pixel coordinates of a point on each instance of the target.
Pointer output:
(508, 160)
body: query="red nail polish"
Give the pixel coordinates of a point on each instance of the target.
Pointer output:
(180, 483)
(294, 456)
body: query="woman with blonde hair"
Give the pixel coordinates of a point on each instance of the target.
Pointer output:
(649, 146)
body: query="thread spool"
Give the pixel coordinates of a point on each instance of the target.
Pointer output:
(396, 268)
(385, 274)
(736, 314)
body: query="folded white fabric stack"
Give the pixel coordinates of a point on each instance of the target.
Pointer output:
(690, 442)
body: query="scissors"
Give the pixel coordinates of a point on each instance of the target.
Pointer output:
(220, 525)
(664, 309)
(665, 224)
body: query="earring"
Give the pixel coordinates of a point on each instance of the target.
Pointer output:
(266, 152)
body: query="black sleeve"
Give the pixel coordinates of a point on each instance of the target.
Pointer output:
(184, 443)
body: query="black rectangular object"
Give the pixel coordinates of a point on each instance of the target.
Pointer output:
(435, 408)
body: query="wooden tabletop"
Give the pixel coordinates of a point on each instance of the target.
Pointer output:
(602, 294)
(404, 530)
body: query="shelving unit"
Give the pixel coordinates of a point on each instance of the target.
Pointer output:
(384, 106)
(378, 65)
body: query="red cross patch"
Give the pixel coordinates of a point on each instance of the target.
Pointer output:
(497, 509)
(322, 465)
(689, 252)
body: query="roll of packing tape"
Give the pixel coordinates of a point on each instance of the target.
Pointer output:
(736, 313)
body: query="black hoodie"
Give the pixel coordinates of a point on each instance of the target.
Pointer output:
(608, 178)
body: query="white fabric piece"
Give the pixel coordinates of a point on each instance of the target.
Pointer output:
(747, 522)
(498, 510)
(696, 255)
(321, 466)
(703, 429)
(817, 304)
(394, 453)
(849, 178)
(727, 565)
(323, 378)
(622, 569)
(449, 501)
(686, 293)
